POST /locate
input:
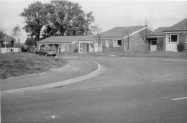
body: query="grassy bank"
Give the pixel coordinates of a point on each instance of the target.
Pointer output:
(24, 63)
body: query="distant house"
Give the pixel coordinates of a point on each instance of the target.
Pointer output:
(167, 38)
(70, 44)
(130, 38)
(156, 39)
(8, 44)
(175, 34)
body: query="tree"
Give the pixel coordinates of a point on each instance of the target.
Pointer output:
(30, 42)
(16, 32)
(59, 17)
(69, 19)
(96, 30)
(35, 18)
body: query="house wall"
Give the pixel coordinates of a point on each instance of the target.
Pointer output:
(183, 38)
(67, 47)
(110, 45)
(98, 46)
(136, 43)
(10, 50)
(172, 46)
(72, 47)
(160, 43)
(107, 43)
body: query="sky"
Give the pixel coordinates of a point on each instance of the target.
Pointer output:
(107, 13)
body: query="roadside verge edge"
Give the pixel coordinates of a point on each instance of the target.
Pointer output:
(99, 70)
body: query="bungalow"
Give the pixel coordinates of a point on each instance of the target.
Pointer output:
(175, 34)
(70, 44)
(167, 38)
(130, 38)
(156, 39)
(8, 44)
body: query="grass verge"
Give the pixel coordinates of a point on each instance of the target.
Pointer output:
(24, 63)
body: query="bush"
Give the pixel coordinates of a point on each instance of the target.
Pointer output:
(75, 50)
(181, 46)
(24, 48)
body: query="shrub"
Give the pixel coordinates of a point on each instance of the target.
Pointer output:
(75, 50)
(24, 48)
(180, 46)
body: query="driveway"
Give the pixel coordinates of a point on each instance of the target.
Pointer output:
(131, 90)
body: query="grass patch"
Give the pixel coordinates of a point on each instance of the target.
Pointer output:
(24, 63)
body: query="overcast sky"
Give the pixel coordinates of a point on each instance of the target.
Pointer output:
(107, 13)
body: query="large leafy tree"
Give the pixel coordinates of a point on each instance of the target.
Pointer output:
(35, 18)
(59, 17)
(69, 19)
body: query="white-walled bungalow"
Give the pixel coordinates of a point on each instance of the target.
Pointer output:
(175, 34)
(8, 45)
(72, 44)
(167, 38)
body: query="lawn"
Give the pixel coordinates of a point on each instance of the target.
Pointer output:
(25, 63)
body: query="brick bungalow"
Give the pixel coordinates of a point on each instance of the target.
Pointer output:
(71, 44)
(167, 38)
(130, 38)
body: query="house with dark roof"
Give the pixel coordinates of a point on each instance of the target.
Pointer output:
(167, 38)
(175, 34)
(70, 44)
(8, 44)
(129, 38)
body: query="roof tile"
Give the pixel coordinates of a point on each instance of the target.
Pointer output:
(68, 39)
(120, 32)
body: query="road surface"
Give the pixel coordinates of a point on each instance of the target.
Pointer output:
(131, 90)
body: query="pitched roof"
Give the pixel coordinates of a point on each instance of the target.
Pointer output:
(158, 32)
(120, 32)
(66, 39)
(180, 26)
(7, 38)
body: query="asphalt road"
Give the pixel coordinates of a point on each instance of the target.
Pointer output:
(131, 90)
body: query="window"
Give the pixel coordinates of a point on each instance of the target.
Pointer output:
(173, 38)
(119, 43)
(153, 42)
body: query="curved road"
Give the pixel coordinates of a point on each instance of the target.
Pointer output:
(131, 90)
